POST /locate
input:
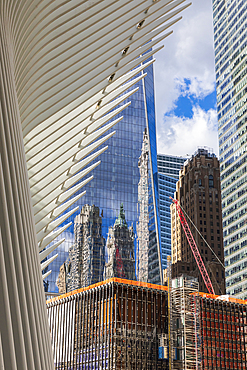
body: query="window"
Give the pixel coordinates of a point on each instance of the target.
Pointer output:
(200, 182)
(210, 181)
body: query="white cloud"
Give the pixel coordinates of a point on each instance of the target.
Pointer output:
(188, 54)
(181, 136)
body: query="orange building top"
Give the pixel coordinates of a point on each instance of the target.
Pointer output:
(224, 298)
(145, 285)
(115, 280)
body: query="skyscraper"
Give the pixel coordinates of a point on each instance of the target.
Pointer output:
(168, 174)
(86, 261)
(198, 193)
(230, 42)
(120, 249)
(143, 216)
(116, 179)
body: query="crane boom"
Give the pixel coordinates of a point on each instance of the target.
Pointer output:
(194, 248)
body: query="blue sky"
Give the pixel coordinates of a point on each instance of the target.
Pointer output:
(185, 84)
(186, 101)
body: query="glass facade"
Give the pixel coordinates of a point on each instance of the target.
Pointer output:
(168, 174)
(230, 38)
(116, 178)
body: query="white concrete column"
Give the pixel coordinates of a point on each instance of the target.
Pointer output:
(25, 338)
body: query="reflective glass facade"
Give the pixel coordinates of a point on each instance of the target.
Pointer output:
(116, 178)
(168, 174)
(230, 38)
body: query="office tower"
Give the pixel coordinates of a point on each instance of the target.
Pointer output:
(168, 174)
(230, 66)
(199, 194)
(116, 179)
(86, 262)
(120, 250)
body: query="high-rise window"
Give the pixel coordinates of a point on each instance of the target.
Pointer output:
(230, 40)
(116, 179)
(168, 169)
(211, 181)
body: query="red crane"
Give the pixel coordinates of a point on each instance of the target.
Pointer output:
(194, 248)
(119, 263)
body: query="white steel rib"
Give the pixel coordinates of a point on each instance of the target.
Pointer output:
(65, 66)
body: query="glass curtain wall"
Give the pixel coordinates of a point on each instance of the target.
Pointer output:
(168, 174)
(116, 178)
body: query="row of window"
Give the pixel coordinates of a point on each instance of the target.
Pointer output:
(235, 248)
(240, 139)
(229, 191)
(228, 32)
(236, 206)
(230, 40)
(236, 258)
(235, 237)
(235, 80)
(233, 101)
(232, 129)
(233, 228)
(239, 111)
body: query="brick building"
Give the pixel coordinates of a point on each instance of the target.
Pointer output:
(199, 194)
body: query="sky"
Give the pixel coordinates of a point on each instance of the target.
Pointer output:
(185, 85)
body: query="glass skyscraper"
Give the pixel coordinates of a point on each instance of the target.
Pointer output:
(116, 178)
(230, 39)
(168, 174)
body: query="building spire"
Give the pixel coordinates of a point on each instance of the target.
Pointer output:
(121, 217)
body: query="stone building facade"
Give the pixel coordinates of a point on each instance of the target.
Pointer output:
(199, 194)
(120, 249)
(86, 261)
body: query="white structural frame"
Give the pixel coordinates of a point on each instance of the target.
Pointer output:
(64, 66)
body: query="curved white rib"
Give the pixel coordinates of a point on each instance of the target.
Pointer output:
(64, 68)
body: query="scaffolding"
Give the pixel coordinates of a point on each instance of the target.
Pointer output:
(117, 324)
(224, 333)
(120, 324)
(185, 326)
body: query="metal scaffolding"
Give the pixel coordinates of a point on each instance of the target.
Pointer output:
(224, 333)
(185, 324)
(123, 325)
(117, 324)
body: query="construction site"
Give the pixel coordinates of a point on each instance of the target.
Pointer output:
(123, 324)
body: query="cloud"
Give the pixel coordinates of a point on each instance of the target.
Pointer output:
(188, 56)
(181, 135)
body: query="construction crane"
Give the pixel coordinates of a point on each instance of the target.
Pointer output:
(194, 248)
